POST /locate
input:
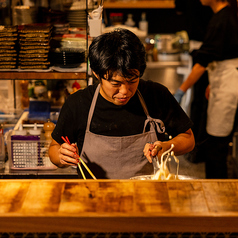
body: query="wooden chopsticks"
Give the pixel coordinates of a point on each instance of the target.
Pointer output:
(66, 140)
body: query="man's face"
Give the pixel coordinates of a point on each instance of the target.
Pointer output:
(119, 90)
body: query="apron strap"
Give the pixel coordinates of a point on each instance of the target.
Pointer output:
(157, 122)
(91, 110)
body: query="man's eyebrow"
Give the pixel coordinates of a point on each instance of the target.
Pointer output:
(114, 80)
(133, 78)
(127, 79)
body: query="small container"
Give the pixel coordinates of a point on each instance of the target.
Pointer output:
(35, 131)
(48, 128)
(143, 24)
(20, 131)
(129, 21)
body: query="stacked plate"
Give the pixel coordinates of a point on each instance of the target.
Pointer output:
(77, 18)
(34, 46)
(8, 52)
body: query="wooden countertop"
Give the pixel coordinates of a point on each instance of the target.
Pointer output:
(118, 206)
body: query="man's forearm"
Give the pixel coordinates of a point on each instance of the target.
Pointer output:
(197, 71)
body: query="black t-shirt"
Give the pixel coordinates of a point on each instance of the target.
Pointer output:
(113, 120)
(221, 40)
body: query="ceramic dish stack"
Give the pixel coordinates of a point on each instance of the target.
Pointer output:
(8, 52)
(76, 13)
(77, 18)
(34, 45)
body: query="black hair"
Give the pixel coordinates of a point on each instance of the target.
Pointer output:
(117, 51)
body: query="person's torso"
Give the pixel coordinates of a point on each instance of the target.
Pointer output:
(221, 40)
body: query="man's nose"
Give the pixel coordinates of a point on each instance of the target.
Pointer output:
(124, 88)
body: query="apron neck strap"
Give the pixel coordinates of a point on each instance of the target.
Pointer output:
(92, 107)
(143, 104)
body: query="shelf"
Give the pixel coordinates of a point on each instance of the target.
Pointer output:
(42, 75)
(164, 64)
(52, 73)
(139, 4)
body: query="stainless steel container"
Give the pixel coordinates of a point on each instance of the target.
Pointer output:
(148, 177)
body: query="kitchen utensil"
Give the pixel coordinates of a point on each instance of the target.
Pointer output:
(155, 162)
(66, 140)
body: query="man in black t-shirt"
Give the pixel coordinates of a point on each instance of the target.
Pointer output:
(112, 121)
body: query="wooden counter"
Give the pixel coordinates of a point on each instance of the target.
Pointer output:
(118, 206)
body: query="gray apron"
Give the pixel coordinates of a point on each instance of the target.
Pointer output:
(121, 157)
(223, 97)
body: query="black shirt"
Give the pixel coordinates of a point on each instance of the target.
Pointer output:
(113, 120)
(221, 40)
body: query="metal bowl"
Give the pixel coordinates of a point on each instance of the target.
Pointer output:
(148, 177)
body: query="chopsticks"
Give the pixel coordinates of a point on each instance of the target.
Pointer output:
(66, 140)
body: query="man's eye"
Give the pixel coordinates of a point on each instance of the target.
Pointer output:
(115, 84)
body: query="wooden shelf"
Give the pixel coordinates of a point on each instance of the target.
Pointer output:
(41, 75)
(139, 4)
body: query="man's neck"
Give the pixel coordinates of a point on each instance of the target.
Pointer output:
(217, 6)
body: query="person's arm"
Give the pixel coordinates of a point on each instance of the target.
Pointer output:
(197, 71)
(63, 155)
(183, 143)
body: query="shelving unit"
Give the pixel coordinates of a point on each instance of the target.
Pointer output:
(139, 4)
(42, 75)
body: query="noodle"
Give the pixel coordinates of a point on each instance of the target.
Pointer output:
(164, 173)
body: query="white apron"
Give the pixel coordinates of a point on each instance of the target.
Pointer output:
(223, 97)
(119, 157)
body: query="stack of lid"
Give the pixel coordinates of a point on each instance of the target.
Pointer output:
(34, 45)
(8, 52)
